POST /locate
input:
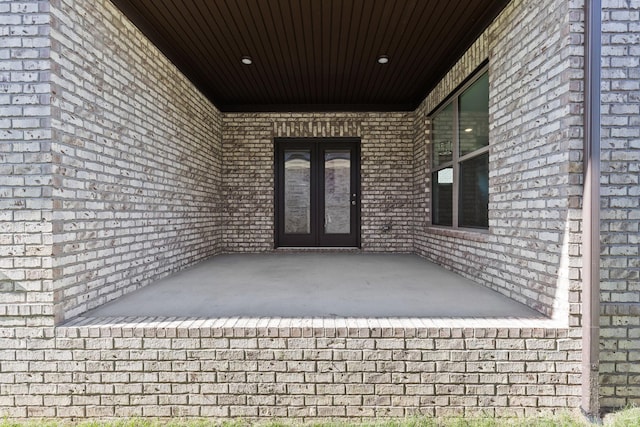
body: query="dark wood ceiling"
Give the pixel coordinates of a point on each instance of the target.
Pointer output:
(313, 54)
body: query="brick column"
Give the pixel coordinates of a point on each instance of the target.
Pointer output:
(25, 165)
(620, 201)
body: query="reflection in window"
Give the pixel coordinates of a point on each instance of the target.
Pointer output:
(474, 116)
(297, 192)
(443, 197)
(337, 191)
(474, 191)
(443, 136)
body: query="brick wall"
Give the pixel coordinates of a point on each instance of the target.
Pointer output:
(25, 157)
(531, 251)
(620, 262)
(248, 174)
(113, 168)
(290, 368)
(136, 160)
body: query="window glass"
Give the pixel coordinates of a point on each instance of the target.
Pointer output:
(474, 116)
(460, 158)
(443, 136)
(297, 191)
(337, 192)
(474, 192)
(443, 197)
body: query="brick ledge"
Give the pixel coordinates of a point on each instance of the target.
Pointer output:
(314, 327)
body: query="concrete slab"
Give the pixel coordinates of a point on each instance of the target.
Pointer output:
(315, 285)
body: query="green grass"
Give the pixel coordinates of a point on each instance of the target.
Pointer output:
(625, 418)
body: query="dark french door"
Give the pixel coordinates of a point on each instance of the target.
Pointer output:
(317, 192)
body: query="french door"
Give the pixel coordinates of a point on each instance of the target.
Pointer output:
(317, 192)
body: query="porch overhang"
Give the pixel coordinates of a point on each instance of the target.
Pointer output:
(313, 55)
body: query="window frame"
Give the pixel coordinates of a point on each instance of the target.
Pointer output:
(454, 100)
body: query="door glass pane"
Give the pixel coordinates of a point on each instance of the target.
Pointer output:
(297, 191)
(443, 197)
(337, 192)
(474, 192)
(443, 136)
(474, 116)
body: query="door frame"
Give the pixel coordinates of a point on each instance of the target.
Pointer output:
(317, 238)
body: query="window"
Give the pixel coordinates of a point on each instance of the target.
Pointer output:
(460, 157)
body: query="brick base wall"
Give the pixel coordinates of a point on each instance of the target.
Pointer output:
(289, 368)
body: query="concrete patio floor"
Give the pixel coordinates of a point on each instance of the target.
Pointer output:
(315, 285)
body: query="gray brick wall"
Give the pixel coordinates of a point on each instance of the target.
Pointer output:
(531, 250)
(25, 165)
(115, 171)
(248, 174)
(136, 160)
(288, 368)
(620, 262)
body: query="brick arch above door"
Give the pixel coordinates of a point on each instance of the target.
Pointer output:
(327, 128)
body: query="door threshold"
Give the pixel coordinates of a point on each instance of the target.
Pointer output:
(318, 249)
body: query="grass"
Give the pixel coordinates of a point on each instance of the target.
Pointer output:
(629, 417)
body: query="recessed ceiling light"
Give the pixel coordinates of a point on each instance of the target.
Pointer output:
(383, 59)
(468, 130)
(246, 60)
